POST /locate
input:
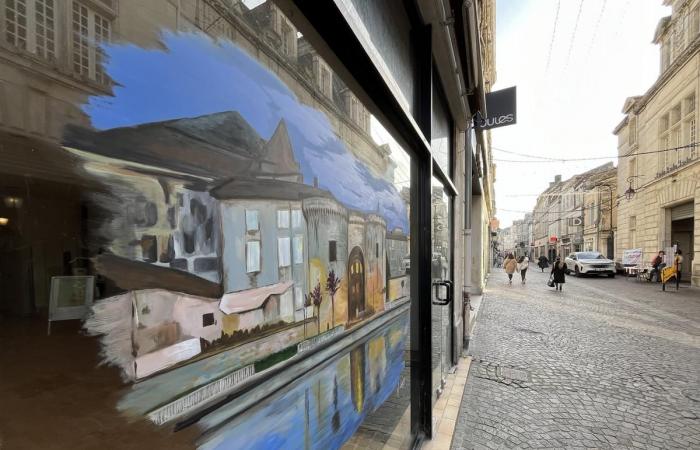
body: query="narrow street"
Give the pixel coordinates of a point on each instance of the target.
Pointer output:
(606, 363)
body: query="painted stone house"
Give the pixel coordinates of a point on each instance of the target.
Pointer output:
(246, 250)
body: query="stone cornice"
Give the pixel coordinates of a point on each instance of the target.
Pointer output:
(690, 51)
(668, 74)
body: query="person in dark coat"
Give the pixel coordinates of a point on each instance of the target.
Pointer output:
(559, 273)
(542, 262)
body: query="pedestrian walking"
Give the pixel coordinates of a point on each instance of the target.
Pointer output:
(559, 273)
(510, 265)
(542, 262)
(678, 265)
(523, 265)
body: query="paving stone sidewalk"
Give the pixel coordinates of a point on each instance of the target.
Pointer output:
(607, 363)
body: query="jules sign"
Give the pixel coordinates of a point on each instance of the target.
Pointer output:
(501, 109)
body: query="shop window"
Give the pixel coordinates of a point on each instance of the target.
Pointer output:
(196, 202)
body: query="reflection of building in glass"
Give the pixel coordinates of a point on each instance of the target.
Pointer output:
(357, 377)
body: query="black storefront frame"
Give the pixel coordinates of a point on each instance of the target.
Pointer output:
(325, 23)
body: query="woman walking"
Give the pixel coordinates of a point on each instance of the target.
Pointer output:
(559, 273)
(678, 265)
(523, 265)
(510, 265)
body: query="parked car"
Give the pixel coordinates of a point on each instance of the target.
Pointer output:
(590, 263)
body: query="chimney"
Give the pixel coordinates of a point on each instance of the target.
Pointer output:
(557, 178)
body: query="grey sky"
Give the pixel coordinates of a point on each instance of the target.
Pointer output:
(569, 107)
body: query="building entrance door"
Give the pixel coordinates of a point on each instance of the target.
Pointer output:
(356, 283)
(682, 235)
(441, 274)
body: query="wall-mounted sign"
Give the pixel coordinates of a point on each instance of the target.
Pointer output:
(501, 110)
(552, 239)
(575, 221)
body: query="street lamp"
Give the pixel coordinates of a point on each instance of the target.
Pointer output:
(629, 193)
(612, 233)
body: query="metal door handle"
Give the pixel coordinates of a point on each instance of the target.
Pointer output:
(448, 298)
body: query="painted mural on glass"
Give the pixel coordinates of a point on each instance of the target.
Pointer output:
(237, 219)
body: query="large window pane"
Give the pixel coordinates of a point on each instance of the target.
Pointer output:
(211, 225)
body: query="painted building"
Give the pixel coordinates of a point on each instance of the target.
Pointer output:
(657, 149)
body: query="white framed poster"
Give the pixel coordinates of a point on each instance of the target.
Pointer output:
(632, 257)
(71, 296)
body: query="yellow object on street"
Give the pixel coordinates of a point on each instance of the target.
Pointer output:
(667, 273)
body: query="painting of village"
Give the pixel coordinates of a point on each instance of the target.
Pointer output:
(234, 238)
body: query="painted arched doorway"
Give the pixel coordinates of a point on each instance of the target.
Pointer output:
(356, 283)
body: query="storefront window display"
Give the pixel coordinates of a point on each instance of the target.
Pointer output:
(207, 232)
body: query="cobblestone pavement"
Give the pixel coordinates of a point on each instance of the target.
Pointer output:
(606, 363)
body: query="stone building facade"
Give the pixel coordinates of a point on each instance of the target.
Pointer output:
(559, 217)
(658, 152)
(600, 213)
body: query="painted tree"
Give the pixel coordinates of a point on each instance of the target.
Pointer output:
(332, 286)
(315, 299)
(307, 302)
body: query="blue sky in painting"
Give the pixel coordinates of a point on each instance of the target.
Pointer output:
(196, 76)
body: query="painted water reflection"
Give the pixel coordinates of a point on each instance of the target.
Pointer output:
(325, 408)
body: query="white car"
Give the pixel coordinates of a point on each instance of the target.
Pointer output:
(589, 263)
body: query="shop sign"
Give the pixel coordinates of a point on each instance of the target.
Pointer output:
(500, 109)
